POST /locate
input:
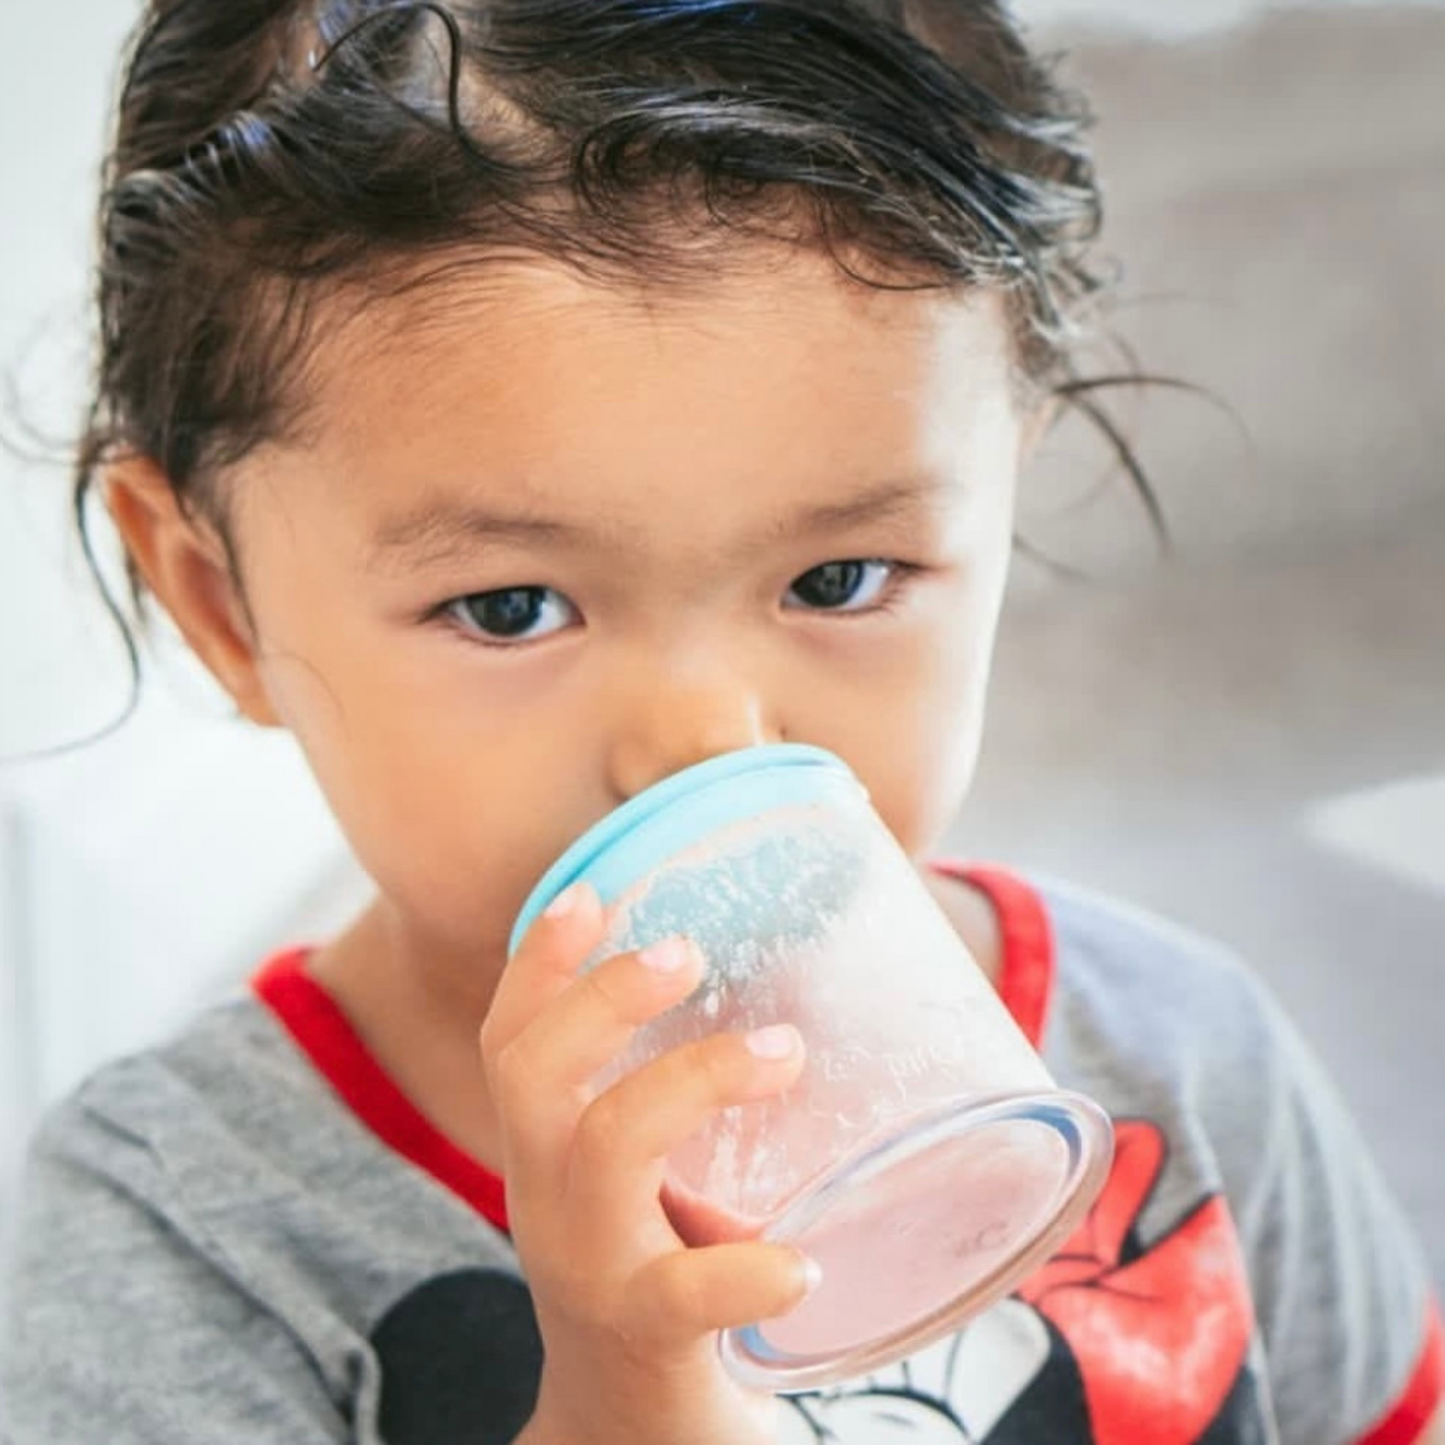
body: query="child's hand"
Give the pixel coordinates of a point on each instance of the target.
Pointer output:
(628, 1314)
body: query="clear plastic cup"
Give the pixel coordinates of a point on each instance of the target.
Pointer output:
(924, 1158)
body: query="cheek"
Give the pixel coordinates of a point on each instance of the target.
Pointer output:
(439, 799)
(925, 776)
(915, 733)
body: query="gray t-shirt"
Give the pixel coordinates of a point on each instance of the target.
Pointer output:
(249, 1235)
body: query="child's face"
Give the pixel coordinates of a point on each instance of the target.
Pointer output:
(548, 542)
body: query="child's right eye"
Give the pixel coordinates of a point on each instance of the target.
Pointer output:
(512, 614)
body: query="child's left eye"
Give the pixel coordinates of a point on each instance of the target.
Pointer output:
(512, 615)
(849, 586)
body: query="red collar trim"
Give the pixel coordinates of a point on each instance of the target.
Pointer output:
(1026, 972)
(324, 1034)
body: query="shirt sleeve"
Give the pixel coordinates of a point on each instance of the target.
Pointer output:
(117, 1324)
(1342, 1291)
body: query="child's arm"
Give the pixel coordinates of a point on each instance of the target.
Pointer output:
(116, 1327)
(628, 1315)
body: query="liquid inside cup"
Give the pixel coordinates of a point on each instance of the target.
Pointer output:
(924, 1234)
(807, 922)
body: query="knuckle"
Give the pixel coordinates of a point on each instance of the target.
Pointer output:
(573, 1296)
(609, 992)
(602, 1133)
(718, 1062)
(665, 1298)
(532, 958)
(545, 957)
(489, 1040)
(511, 1069)
(678, 1291)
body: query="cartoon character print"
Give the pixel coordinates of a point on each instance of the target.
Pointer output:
(1112, 1342)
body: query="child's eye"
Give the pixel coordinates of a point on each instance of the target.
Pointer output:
(512, 614)
(851, 586)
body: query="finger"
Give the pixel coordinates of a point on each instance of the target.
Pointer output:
(545, 963)
(692, 1292)
(589, 1023)
(543, 1077)
(626, 1133)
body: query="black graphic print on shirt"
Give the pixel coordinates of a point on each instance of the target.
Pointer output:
(460, 1359)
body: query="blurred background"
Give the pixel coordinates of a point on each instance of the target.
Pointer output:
(1250, 738)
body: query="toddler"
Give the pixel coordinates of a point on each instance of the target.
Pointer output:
(519, 401)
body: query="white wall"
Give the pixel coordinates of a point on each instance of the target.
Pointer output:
(54, 67)
(140, 874)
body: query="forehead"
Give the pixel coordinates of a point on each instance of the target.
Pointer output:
(779, 374)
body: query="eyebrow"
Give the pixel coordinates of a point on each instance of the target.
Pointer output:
(442, 528)
(875, 504)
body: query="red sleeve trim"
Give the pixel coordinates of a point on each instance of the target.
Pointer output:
(325, 1035)
(1406, 1421)
(1026, 979)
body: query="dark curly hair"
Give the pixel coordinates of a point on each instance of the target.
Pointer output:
(273, 154)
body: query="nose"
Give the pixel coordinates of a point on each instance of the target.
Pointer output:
(672, 720)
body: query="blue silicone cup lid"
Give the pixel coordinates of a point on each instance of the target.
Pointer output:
(675, 813)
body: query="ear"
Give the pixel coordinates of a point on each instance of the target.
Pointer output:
(186, 566)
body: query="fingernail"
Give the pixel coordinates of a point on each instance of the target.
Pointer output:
(777, 1041)
(812, 1273)
(565, 902)
(670, 955)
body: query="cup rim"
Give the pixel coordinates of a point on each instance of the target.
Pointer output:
(1086, 1128)
(602, 835)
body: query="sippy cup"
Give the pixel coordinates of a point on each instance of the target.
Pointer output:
(924, 1158)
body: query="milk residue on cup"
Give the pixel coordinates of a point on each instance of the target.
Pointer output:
(801, 922)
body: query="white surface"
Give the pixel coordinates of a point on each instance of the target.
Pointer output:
(1398, 828)
(147, 873)
(59, 673)
(1167, 18)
